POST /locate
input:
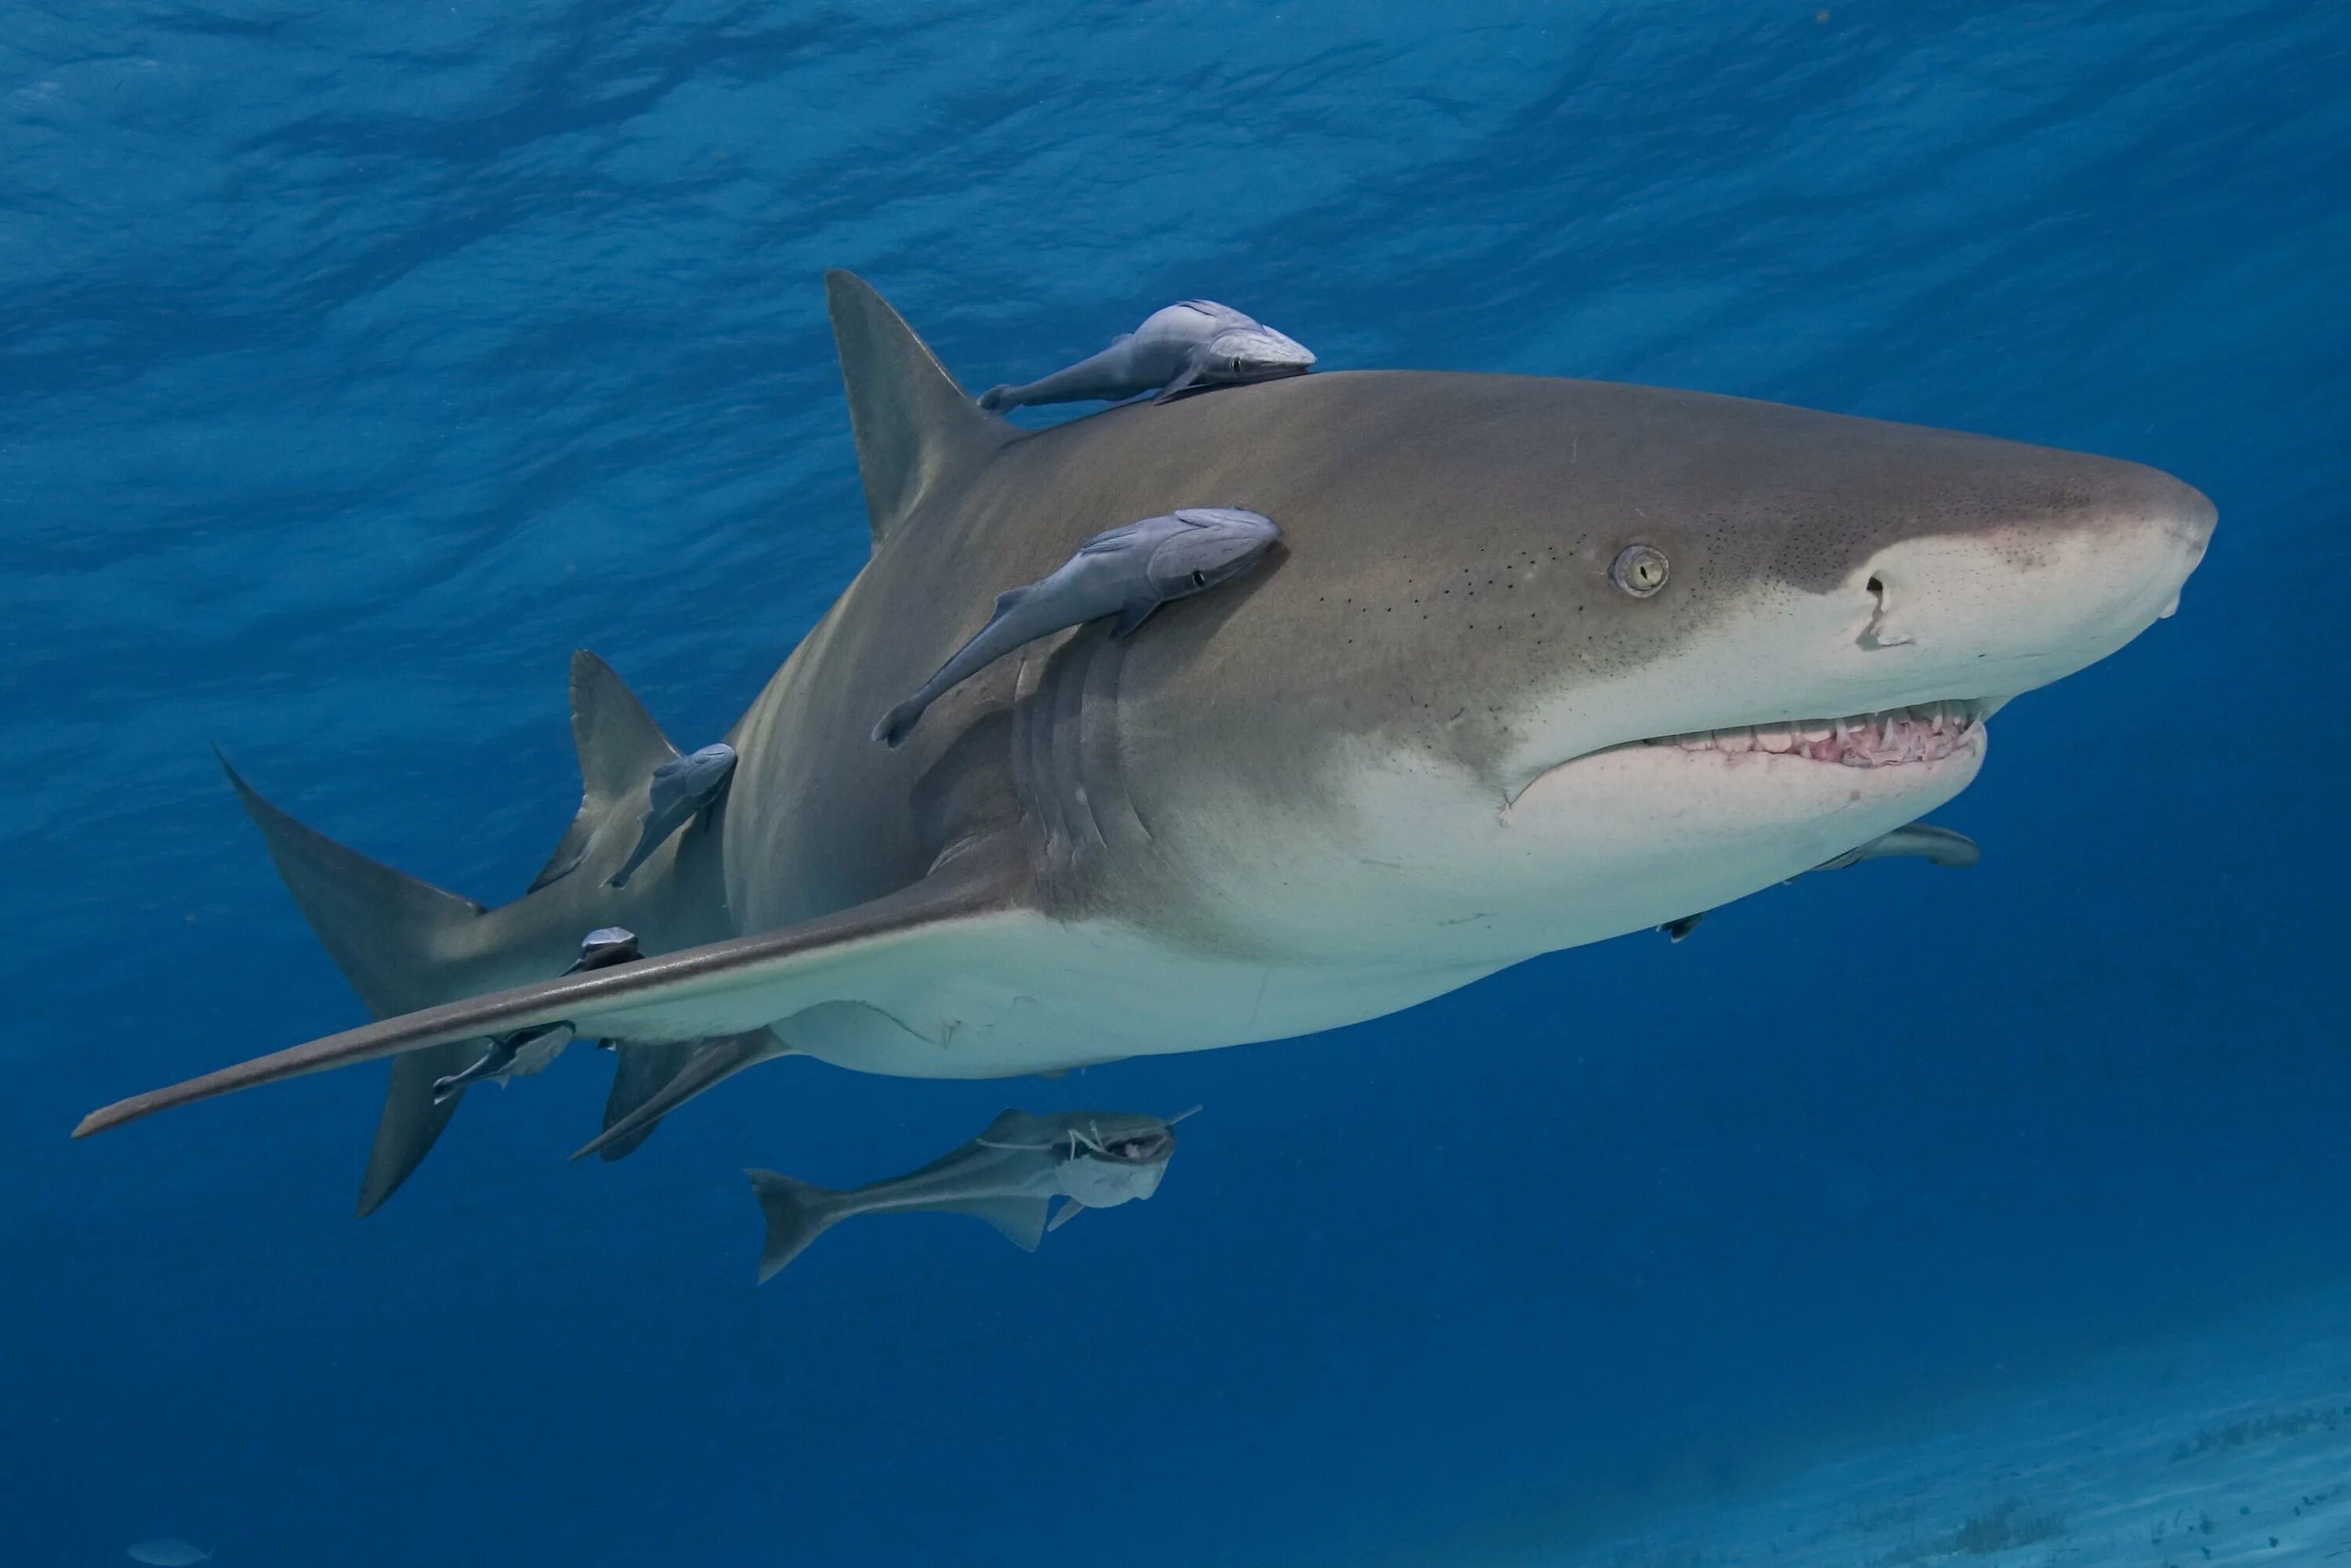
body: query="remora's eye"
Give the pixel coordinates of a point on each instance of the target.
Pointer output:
(1638, 570)
(1200, 579)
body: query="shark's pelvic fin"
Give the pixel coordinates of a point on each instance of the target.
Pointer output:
(394, 937)
(641, 1072)
(914, 424)
(705, 1064)
(620, 745)
(721, 989)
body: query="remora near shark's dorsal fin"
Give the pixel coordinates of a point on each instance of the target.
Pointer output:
(390, 935)
(914, 424)
(620, 745)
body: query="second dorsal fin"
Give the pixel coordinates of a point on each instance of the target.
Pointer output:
(620, 745)
(914, 424)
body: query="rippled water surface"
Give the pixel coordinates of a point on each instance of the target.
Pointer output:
(357, 362)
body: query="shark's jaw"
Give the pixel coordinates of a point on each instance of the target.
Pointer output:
(1909, 737)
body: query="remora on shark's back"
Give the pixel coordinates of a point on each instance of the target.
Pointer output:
(1412, 750)
(1193, 343)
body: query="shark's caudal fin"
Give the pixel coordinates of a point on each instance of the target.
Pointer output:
(949, 920)
(798, 1213)
(620, 745)
(406, 945)
(914, 424)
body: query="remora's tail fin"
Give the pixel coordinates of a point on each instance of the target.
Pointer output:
(398, 942)
(620, 745)
(914, 424)
(798, 1213)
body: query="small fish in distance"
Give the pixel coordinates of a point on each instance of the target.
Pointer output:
(168, 1551)
(1127, 572)
(1196, 343)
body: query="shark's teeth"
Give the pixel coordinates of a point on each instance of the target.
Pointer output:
(1928, 732)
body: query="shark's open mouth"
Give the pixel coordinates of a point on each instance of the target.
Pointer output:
(1928, 732)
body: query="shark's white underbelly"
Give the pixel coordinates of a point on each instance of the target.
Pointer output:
(1040, 995)
(1423, 902)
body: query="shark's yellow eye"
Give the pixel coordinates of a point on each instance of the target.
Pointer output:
(1638, 570)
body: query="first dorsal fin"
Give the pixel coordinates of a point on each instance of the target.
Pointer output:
(620, 745)
(914, 424)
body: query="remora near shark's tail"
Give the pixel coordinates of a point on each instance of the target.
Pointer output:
(914, 428)
(404, 943)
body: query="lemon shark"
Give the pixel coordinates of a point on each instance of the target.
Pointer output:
(1538, 661)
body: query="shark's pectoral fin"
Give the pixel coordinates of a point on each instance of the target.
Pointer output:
(868, 953)
(1071, 1210)
(1021, 1220)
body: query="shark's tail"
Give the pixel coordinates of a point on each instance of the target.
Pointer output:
(404, 943)
(798, 1213)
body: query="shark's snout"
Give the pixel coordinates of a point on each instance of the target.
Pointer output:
(2013, 603)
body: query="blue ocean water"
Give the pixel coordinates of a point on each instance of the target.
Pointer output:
(358, 363)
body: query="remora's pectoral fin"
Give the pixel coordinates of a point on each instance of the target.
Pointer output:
(870, 952)
(1186, 379)
(707, 1064)
(1136, 612)
(1021, 1220)
(1071, 1210)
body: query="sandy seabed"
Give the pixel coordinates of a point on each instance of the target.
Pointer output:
(2232, 1445)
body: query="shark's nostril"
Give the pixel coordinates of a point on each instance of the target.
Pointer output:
(1877, 589)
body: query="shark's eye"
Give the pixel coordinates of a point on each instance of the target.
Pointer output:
(1638, 570)
(1200, 579)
